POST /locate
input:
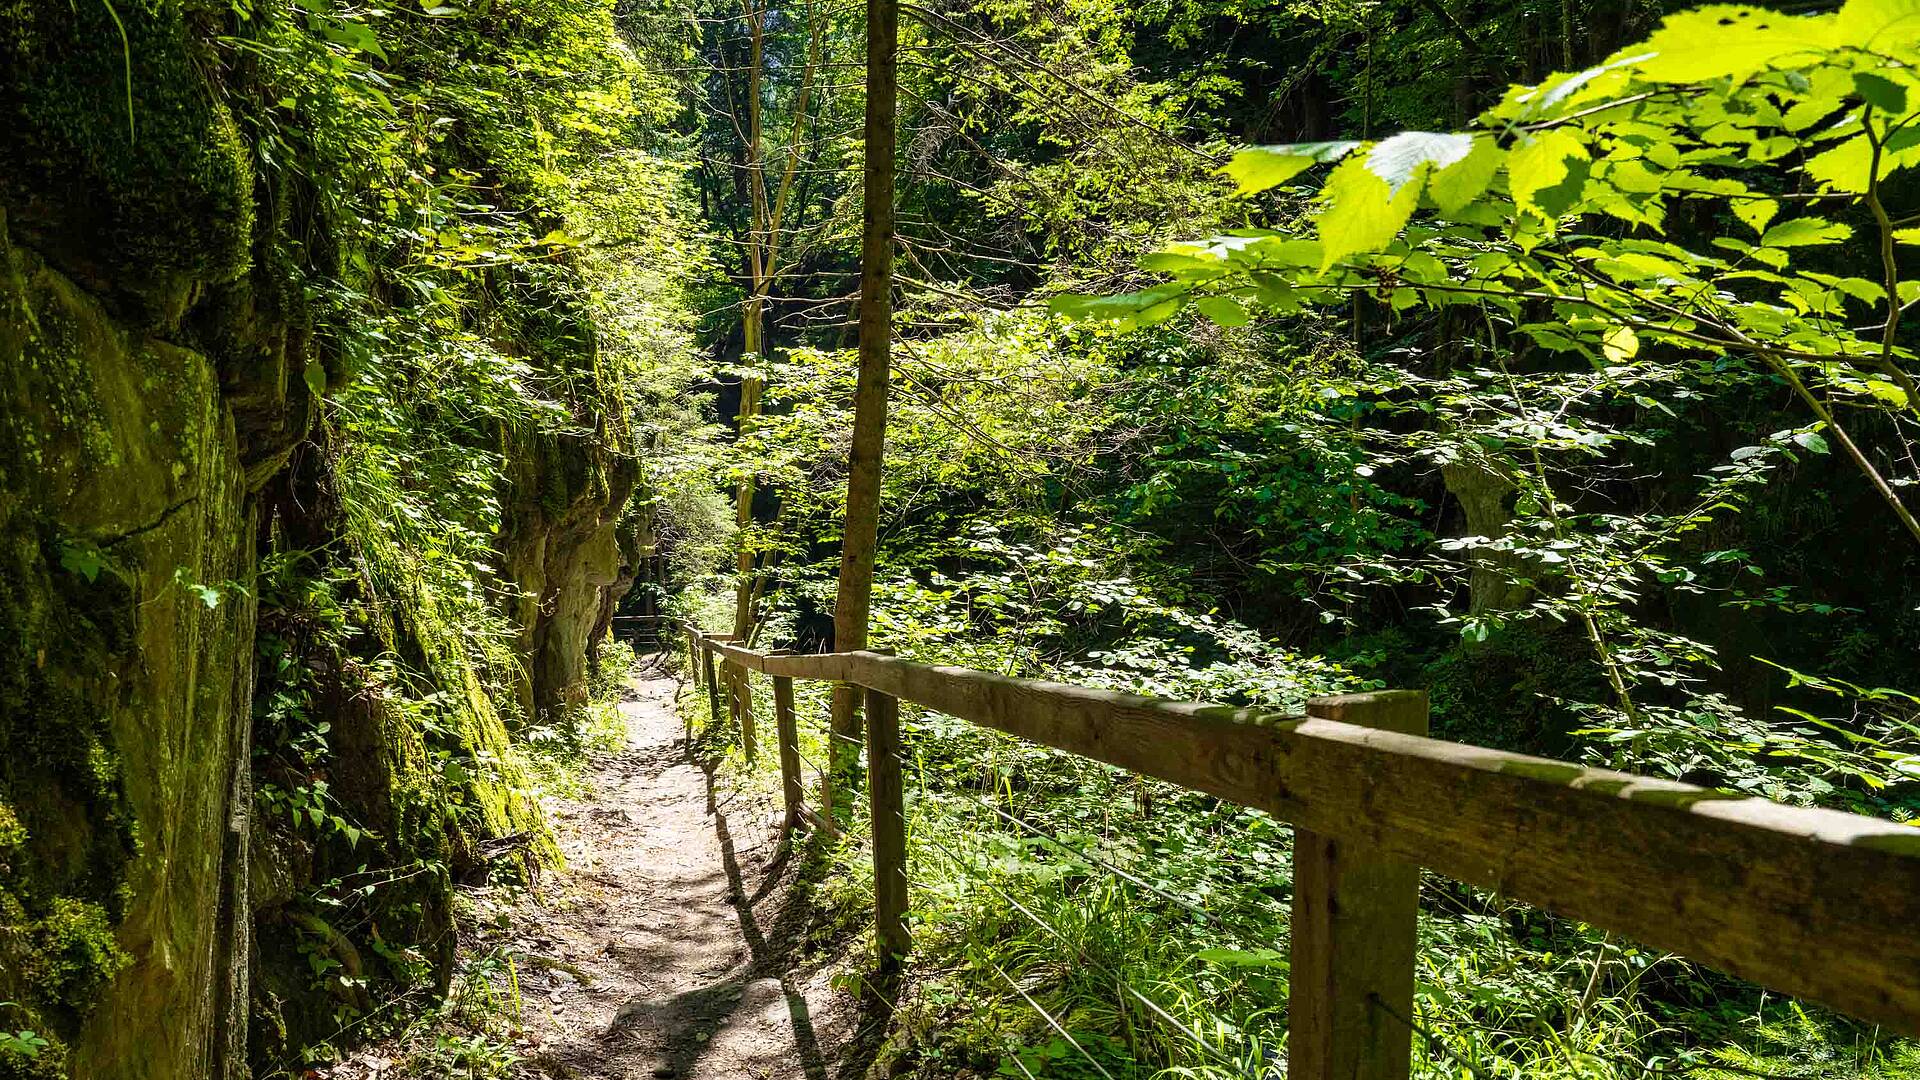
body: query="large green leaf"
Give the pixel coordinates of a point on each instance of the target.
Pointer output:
(1722, 40)
(1222, 310)
(1402, 159)
(1542, 162)
(1805, 232)
(1458, 184)
(1362, 213)
(1258, 168)
(1845, 167)
(1878, 25)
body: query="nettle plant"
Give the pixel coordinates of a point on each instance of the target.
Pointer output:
(1717, 206)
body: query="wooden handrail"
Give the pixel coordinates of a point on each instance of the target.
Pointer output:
(1818, 904)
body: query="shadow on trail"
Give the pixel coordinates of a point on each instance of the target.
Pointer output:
(771, 955)
(693, 1022)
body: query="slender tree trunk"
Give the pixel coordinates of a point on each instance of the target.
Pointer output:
(759, 231)
(876, 343)
(751, 388)
(768, 218)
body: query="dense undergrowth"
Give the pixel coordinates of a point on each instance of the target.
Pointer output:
(1480, 413)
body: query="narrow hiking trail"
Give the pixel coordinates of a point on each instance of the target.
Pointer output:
(671, 944)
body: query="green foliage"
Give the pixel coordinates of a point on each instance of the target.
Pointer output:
(1571, 416)
(1553, 241)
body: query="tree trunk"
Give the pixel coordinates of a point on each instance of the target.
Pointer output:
(876, 330)
(752, 327)
(1482, 494)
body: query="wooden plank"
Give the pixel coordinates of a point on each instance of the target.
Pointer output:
(1818, 904)
(787, 736)
(1354, 929)
(886, 800)
(746, 658)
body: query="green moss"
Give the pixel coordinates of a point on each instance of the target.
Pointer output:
(75, 953)
(156, 209)
(66, 835)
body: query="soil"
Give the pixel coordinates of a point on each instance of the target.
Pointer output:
(675, 945)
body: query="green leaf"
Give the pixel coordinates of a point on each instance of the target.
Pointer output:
(1258, 168)
(1542, 162)
(1805, 232)
(1880, 92)
(1274, 291)
(1405, 157)
(1844, 167)
(356, 36)
(315, 376)
(1756, 213)
(1243, 958)
(1167, 261)
(1812, 440)
(1877, 24)
(1115, 308)
(1223, 310)
(1620, 344)
(1727, 40)
(1453, 186)
(1887, 392)
(1362, 215)
(82, 558)
(1158, 313)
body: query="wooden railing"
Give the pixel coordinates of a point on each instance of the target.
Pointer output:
(1817, 904)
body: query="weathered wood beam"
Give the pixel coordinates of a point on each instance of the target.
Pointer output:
(1818, 904)
(1354, 932)
(885, 800)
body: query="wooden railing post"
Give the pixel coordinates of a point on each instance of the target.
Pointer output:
(743, 708)
(787, 736)
(1354, 919)
(713, 686)
(885, 797)
(693, 674)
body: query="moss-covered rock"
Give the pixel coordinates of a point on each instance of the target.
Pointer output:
(125, 550)
(117, 158)
(559, 547)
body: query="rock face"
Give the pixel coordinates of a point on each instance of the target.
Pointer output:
(128, 306)
(158, 372)
(124, 690)
(559, 545)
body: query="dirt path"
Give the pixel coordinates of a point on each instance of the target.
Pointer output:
(666, 949)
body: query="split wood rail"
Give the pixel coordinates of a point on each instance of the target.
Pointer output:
(1817, 904)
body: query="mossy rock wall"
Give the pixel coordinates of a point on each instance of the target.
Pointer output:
(124, 690)
(159, 379)
(559, 547)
